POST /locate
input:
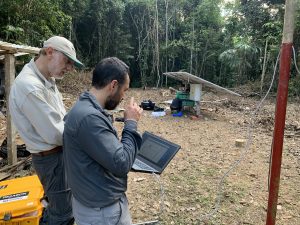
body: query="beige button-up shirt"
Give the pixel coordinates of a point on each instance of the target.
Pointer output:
(37, 109)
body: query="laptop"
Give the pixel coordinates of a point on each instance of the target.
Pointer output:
(154, 154)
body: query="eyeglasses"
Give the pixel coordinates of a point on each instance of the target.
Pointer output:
(67, 61)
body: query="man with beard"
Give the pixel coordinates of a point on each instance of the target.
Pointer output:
(97, 162)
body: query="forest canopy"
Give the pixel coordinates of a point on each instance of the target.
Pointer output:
(226, 42)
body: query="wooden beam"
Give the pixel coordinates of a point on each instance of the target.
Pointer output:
(3, 53)
(10, 129)
(13, 48)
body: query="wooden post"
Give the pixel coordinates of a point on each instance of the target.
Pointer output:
(280, 114)
(10, 129)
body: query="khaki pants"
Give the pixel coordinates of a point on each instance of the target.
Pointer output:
(115, 214)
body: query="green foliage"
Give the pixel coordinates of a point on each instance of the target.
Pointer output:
(31, 22)
(294, 86)
(98, 31)
(13, 33)
(223, 43)
(240, 60)
(259, 25)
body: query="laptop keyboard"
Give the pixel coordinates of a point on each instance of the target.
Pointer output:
(143, 165)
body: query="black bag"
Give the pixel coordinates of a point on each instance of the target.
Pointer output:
(176, 104)
(147, 105)
(21, 150)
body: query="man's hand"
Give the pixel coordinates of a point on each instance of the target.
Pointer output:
(132, 111)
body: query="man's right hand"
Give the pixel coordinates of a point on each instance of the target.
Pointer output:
(132, 111)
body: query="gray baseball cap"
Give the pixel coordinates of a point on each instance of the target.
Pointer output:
(65, 46)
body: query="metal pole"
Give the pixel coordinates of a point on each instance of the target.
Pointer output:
(282, 94)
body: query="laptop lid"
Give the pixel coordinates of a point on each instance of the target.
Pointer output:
(155, 152)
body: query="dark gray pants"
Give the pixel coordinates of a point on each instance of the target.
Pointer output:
(114, 214)
(50, 170)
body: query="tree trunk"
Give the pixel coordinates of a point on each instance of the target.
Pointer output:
(264, 68)
(173, 33)
(192, 47)
(203, 58)
(157, 44)
(167, 23)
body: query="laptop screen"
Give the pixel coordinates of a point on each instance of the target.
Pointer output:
(157, 151)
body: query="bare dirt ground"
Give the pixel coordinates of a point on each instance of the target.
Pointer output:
(191, 182)
(186, 192)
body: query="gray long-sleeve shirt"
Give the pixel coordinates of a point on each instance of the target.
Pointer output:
(97, 163)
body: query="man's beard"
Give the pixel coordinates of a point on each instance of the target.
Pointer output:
(112, 102)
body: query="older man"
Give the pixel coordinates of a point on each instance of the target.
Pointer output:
(37, 111)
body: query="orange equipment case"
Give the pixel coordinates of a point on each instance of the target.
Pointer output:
(20, 201)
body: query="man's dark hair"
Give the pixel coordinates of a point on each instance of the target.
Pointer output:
(107, 70)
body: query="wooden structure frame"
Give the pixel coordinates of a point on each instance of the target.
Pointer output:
(8, 53)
